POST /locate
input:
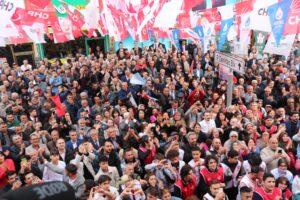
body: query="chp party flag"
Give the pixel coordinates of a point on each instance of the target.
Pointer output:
(60, 110)
(199, 31)
(225, 26)
(278, 15)
(292, 25)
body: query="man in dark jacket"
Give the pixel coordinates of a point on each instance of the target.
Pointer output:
(113, 158)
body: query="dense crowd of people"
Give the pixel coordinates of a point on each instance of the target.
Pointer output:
(152, 123)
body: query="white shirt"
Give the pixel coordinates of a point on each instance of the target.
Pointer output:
(278, 173)
(74, 144)
(63, 155)
(206, 126)
(27, 67)
(99, 196)
(296, 185)
(246, 181)
(49, 175)
(247, 167)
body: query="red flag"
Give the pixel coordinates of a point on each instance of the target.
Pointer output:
(243, 7)
(37, 3)
(90, 33)
(76, 18)
(39, 11)
(102, 28)
(183, 20)
(21, 39)
(60, 110)
(292, 25)
(144, 34)
(118, 18)
(58, 34)
(28, 17)
(76, 31)
(212, 15)
(18, 16)
(240, 9)
(188, 4)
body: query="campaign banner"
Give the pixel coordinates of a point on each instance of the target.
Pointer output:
(260, 39)
(175, 35)
(284, 47)
(259, 20)
(292, 26)
(278, 15)
(243, 12)
(225, 26)
(7, 9)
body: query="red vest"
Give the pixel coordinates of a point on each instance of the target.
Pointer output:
(150, 157)
(187, 190)
(268, 196)
(209, 176)
(272, 130)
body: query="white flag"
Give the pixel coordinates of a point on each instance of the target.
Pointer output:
(284, 47)
(166, 18)
(259, 16)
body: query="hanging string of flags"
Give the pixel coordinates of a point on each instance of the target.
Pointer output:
(25, 21)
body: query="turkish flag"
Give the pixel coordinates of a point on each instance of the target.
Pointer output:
(144, 34)
(21, 39)
(76, 18)
(60, 110)
(292, 25)
(102, 28)
(18, 16)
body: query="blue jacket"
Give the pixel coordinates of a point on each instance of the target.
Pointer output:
(69, 144)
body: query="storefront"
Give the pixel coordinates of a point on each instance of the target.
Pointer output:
(35, 52)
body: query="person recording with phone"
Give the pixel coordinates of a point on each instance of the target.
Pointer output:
(215, 191)
(272, 153)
